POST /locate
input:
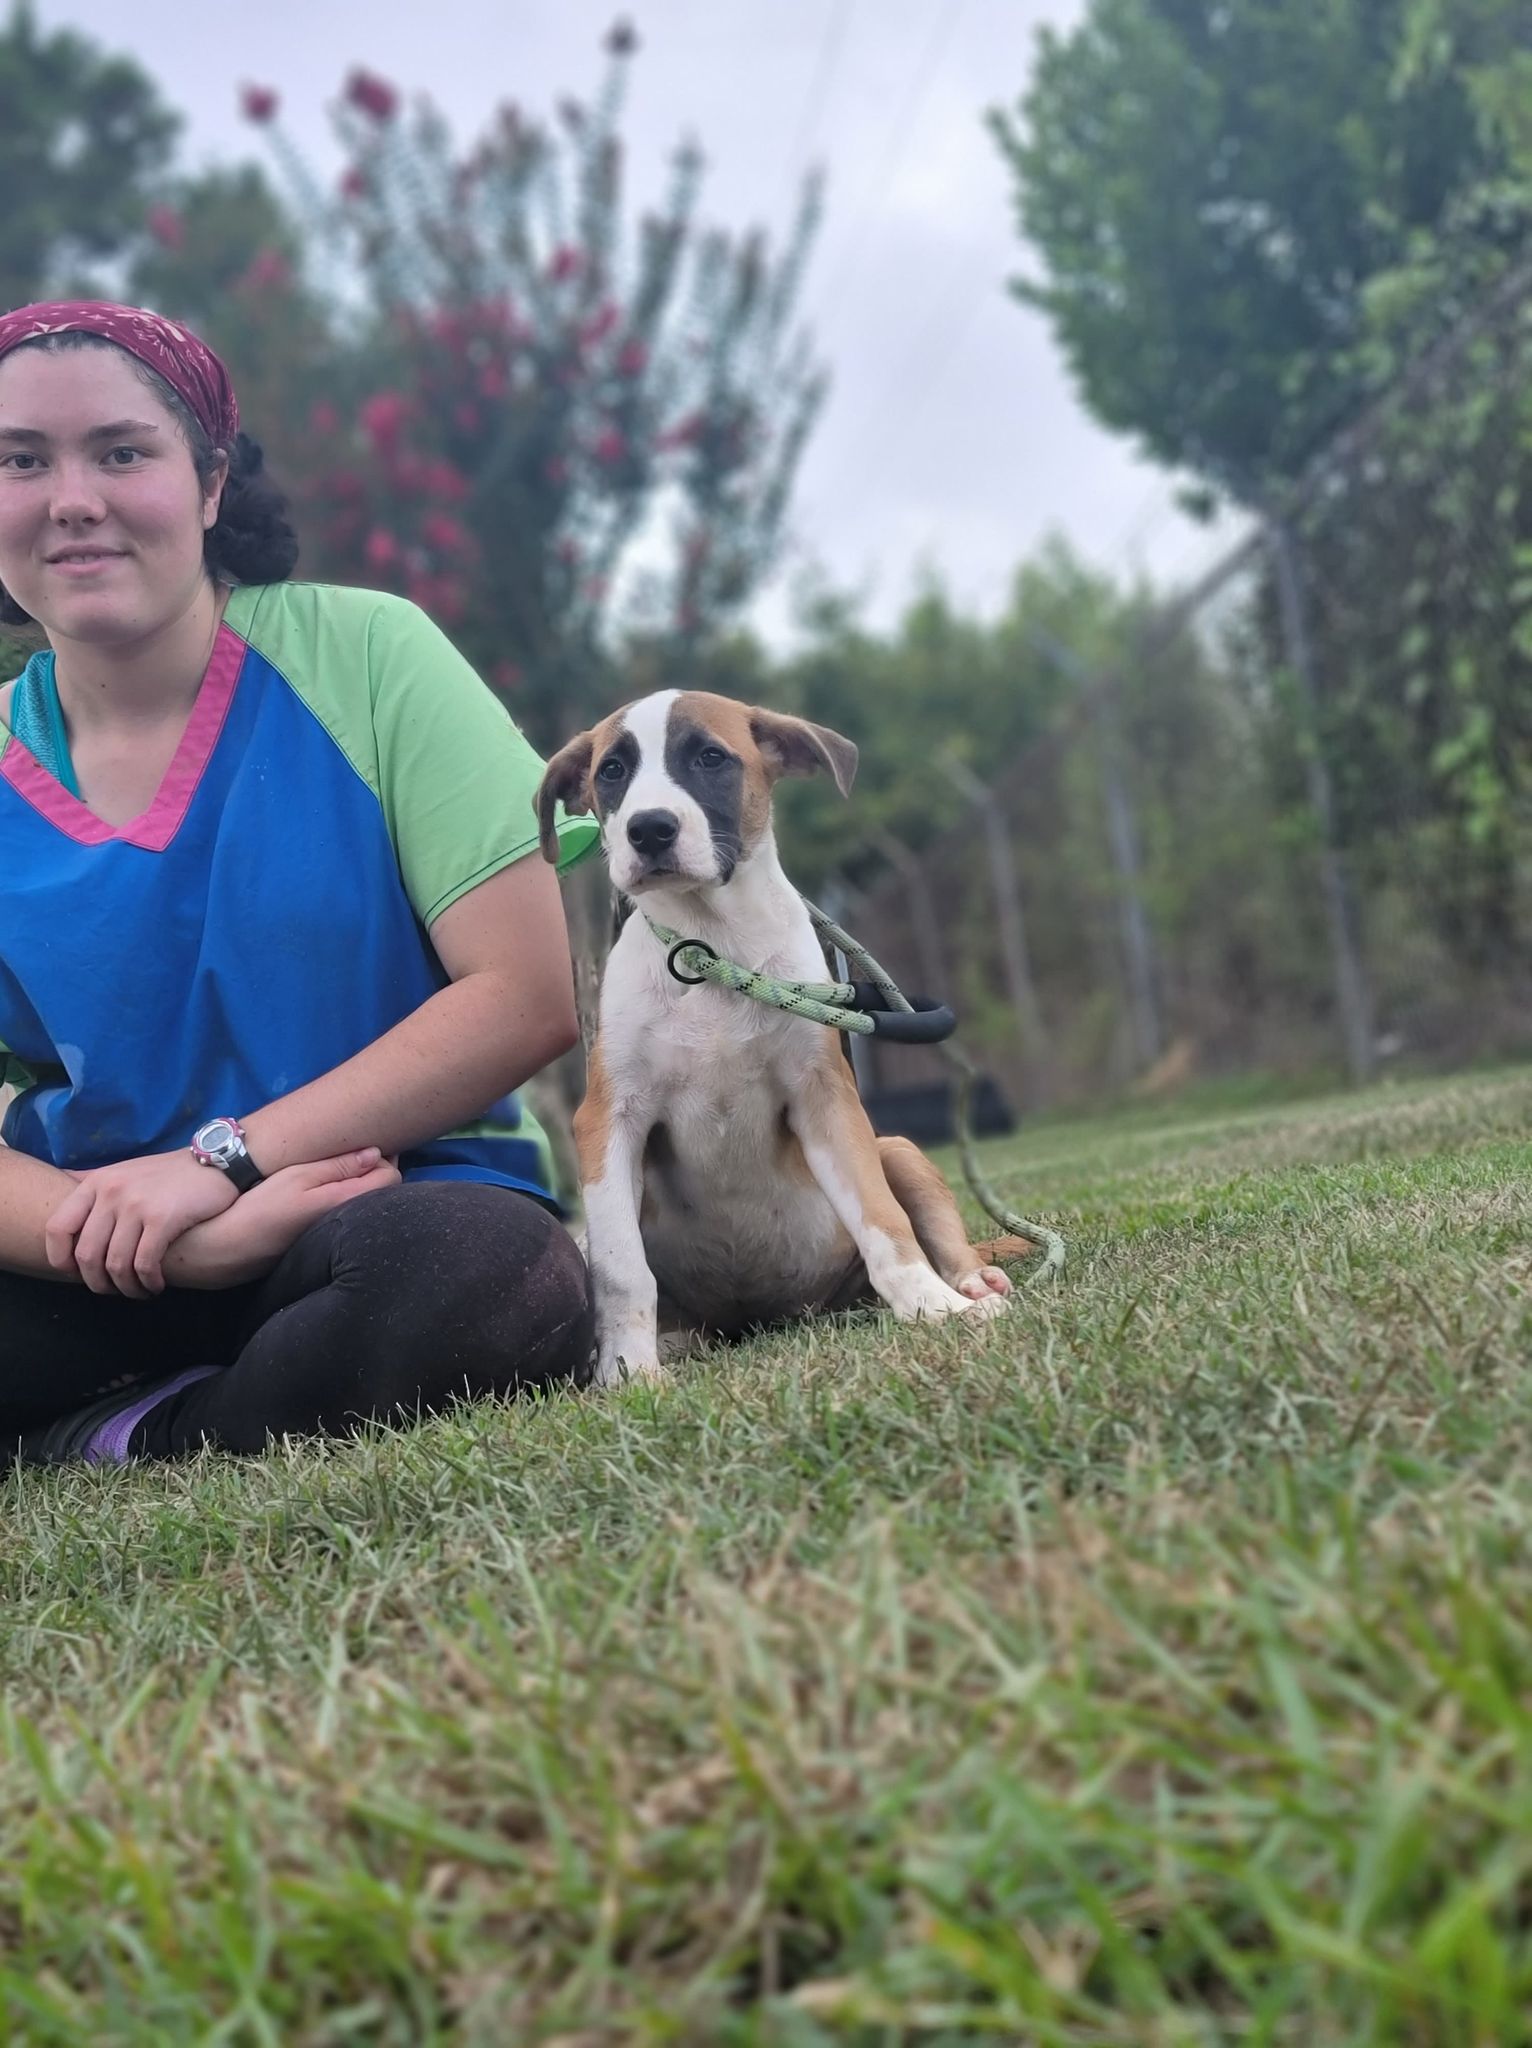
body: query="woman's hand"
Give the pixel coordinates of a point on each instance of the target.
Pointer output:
(245, 1242)
(117, 1225)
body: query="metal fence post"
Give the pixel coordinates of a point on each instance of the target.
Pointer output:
(1099, 692)
(1352, 994)
(1010, 926)
(1122, 830)
(929, 950)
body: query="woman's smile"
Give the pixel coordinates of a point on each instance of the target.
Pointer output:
(84, 562)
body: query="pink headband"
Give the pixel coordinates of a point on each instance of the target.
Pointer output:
(187, 365)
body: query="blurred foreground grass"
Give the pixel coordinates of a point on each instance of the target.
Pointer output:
(1155, 1667)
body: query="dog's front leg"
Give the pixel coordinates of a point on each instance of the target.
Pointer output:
(841, 1151)
(611, 1149)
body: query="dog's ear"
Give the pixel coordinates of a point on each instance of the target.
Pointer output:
(565, 781)
(794, 747)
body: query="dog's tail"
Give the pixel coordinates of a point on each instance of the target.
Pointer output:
(1001, 1251)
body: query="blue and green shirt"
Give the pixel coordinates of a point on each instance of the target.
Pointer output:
(344, 778)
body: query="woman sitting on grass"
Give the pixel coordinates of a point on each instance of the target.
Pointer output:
(272, 922)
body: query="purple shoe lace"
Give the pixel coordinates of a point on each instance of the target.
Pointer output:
(108, 1445)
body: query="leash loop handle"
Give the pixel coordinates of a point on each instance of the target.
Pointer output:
(925, 1024)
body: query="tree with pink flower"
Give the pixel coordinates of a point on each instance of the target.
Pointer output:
(571, 424)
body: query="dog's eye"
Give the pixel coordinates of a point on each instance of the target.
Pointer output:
(612, 769)
(711, 757)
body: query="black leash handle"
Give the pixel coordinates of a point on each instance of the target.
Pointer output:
(924, 1024)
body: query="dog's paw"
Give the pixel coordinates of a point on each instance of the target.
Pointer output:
(918, 1295)
(627, 1362)
(984, 1280)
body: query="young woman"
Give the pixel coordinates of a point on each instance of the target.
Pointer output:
(273, 930)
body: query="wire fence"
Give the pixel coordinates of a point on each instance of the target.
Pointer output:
(1291, 830)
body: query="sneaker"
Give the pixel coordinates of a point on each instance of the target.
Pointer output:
(100, 1431)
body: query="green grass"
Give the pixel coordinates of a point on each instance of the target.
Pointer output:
(1155, 1668)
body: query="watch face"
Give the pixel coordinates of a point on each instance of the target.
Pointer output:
(216, 1136)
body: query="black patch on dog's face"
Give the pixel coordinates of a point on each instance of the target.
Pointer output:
(612, 774)
(714, 778)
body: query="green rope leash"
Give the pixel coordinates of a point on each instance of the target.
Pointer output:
(819, 1001)
(828, 1002)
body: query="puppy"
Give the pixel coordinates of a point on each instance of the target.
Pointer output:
(729, 1170)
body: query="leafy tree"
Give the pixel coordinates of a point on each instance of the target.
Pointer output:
(223, 254)
(1214, 186)
(1251, 217)
(83, 138)
(548, 392)
(942, 682)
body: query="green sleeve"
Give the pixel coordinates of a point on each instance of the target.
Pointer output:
(456, 777)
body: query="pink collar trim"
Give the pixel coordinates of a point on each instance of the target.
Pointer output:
(153, 829)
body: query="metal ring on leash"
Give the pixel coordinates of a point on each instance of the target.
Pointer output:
(688, 946)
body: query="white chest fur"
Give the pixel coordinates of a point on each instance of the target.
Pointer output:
(733, 1225)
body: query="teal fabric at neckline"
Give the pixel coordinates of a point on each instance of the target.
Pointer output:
(37, 719)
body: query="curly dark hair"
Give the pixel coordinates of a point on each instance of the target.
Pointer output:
(252, 540)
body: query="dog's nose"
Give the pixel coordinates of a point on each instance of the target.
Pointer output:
(653, 831)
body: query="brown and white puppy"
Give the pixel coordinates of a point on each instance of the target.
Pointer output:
(728, 1165)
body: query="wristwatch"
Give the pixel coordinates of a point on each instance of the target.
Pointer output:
(221, 1143)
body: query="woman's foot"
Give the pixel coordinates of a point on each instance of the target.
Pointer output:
(99, 1432)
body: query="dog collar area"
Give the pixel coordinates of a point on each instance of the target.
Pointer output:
(859, 1006)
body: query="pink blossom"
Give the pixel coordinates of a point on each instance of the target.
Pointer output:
(632, 359)
(258, 103)
(382, 418)
(493, 382)
(566, 262)
(382, 549)
(167, 227)
(609, 446)
(372, 95)
(323, 417)
(449, 600)
(355, 184)
(443, 479)
(684, 433)
(448, 536)
(467, 416)
(599, 325)
(268, 270)
(444, 597)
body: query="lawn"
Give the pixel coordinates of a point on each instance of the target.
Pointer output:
(1154, 1667)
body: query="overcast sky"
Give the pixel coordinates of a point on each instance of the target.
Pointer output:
(952, 437)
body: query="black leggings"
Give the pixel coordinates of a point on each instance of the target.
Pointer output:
(395, 1303)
